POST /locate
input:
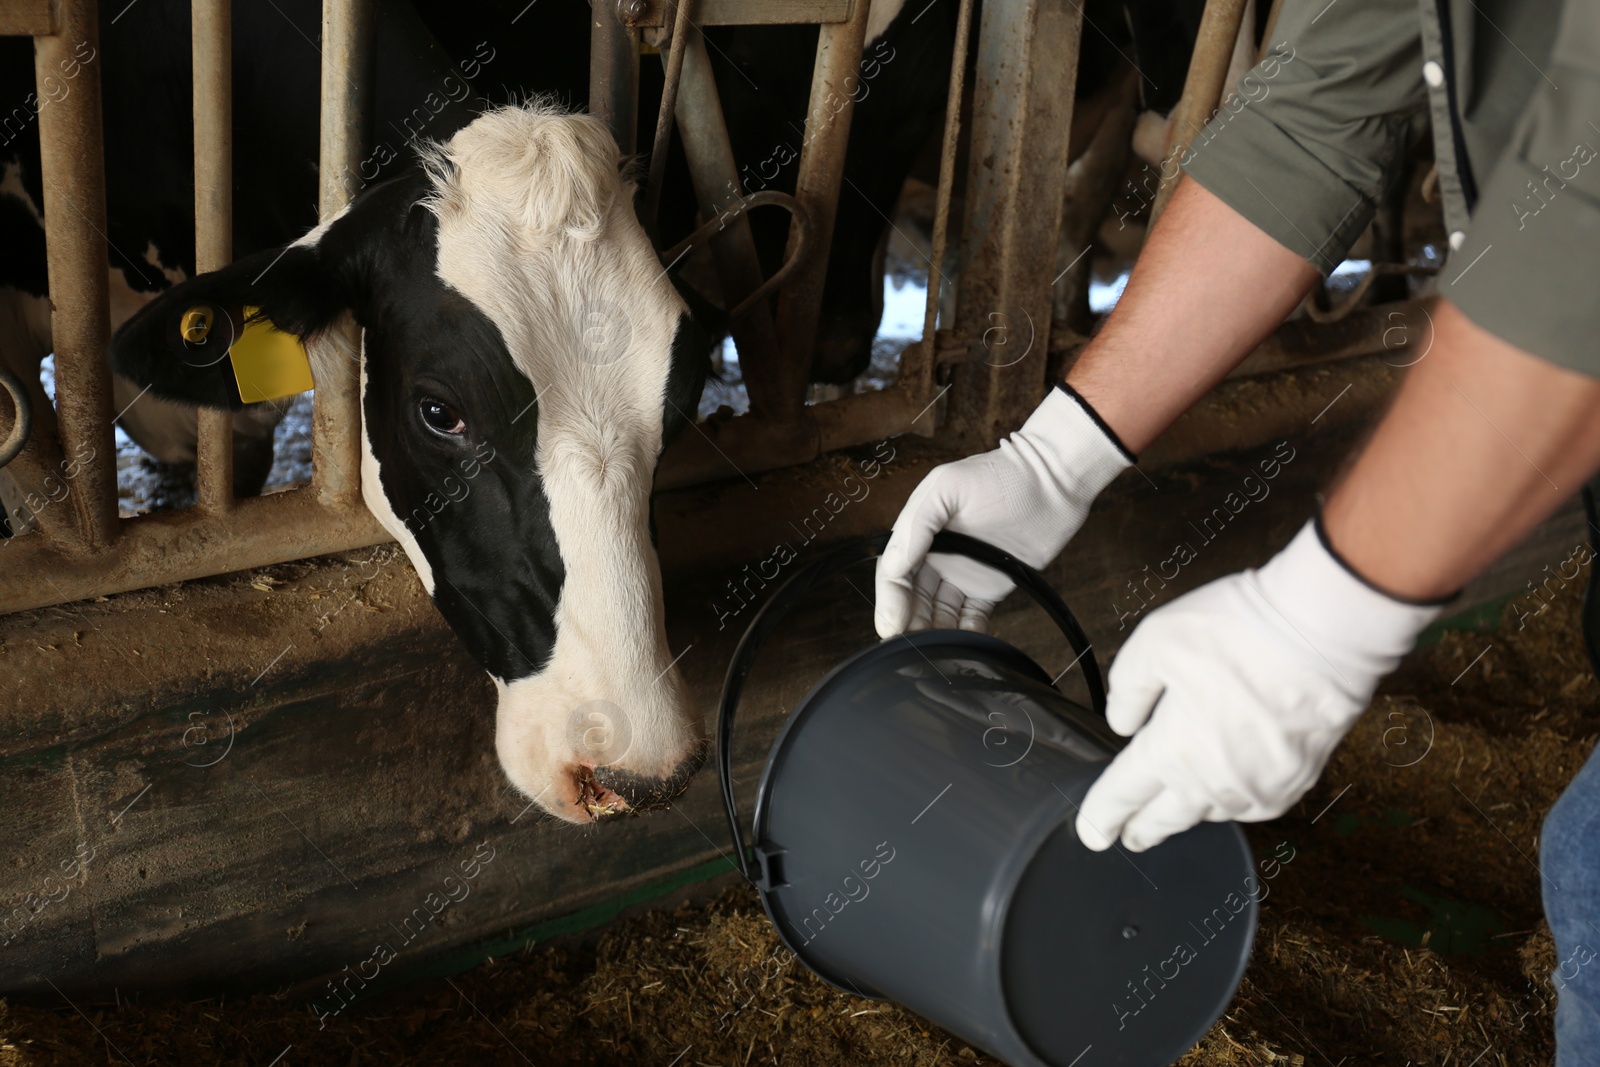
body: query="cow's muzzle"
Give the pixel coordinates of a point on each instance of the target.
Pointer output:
(614, 790)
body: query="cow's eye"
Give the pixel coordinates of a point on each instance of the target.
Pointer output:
(441, 418)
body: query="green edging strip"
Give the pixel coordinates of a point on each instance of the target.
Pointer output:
(573, 923)
(1451, 927)
(1483, 618)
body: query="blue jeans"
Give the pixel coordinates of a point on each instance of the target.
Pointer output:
(1570, 857)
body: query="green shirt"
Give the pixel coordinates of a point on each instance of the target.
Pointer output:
(1511, 88)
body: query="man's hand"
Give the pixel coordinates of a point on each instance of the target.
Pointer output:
(1162, 348)
(1029, 497)
(1239, 692)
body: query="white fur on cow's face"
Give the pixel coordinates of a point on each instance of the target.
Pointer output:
(536, 229)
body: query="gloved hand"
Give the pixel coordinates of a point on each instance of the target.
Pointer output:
(1239, 692)
(1029, 497)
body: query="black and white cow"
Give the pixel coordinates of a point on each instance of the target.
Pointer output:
(524, 359)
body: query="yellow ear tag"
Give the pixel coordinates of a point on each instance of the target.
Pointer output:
(268, 363)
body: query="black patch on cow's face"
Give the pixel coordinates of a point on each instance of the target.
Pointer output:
(470, 495)
(686, 380)
(691, 363)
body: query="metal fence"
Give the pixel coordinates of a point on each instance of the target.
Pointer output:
(1021, 113)
(82, 548)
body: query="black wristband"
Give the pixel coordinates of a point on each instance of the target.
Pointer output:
(1322, 535)
(1098, 421)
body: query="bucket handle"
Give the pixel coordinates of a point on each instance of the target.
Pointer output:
(847, 555)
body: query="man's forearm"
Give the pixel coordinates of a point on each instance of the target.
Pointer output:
(1207, 289)
(1483, 442)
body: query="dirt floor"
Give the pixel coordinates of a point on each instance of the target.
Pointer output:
(1406, 930)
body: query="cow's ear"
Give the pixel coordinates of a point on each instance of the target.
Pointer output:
(177, 345)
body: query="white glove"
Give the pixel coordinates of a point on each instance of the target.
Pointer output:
(1253, 679)
(1029, 497)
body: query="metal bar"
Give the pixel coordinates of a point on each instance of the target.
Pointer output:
(649, 14)
(347, 77)
(73, 164)
(27, 18)
(744, 446)
(1397, 334)
(1400, 332)
(38, 472)
(212, 50)
(1022, 107)
(704, 133)
(175, 546)
(665, 117)
(41, 473)
(1219, 423)
(614, 71)
(1091, 187)
(917, 362)
(1202, 90)
(822, 154)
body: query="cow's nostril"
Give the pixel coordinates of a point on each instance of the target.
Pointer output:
(643, 792)
(597, 800)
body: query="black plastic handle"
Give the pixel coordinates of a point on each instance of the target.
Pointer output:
(847, 555)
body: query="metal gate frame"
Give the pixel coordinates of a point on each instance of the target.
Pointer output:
(1026, 69)
(82, 549)
(974, 380)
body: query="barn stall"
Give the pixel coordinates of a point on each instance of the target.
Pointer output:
(246, 723)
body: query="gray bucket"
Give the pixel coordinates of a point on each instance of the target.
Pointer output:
(913, 840)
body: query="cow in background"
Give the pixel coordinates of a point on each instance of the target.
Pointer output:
(146, 89)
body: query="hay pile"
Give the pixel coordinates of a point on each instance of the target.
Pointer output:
(1407, 928)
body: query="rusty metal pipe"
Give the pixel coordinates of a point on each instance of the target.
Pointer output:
(704, 134)
(653, 14)
(728, 449)
(347, 77)
(711, 227)
(27, 18)
(817, 186)
(73, 165)
(21, 417)
(175, 546)
(1202, 90)
(1022, 108)
(917, 362)
(665, 116)
(614, 69)
(212, 51)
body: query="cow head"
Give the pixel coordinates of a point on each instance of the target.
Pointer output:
(524, 358)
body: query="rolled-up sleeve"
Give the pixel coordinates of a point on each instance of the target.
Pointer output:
(1316, 132)
(1529, 271)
